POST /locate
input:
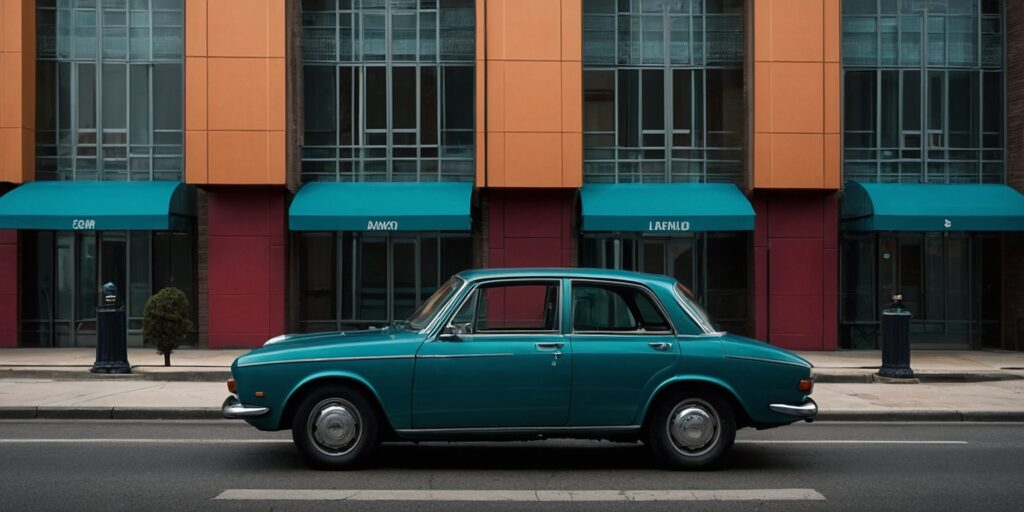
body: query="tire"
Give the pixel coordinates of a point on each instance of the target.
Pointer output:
(353, 428)
(711, 434)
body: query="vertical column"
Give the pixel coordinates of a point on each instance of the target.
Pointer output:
(235, 92)
(246, 265)
(17, 90)
(796, 171)
(235, 103)
(529, 93)
(1013, 246)
(796, 259)
(9, 288)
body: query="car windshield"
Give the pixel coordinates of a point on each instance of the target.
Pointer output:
(694, 309)
(421, 318)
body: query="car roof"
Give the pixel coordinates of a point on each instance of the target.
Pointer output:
(583, 273)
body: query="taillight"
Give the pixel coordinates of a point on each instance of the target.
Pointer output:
(232, 387)
(806, 385)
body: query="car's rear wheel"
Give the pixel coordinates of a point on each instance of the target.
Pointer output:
(336, 427)
(692, 430)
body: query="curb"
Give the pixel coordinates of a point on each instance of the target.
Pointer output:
(922, 377)
(110, 413)
(936, 416)
(85, 375)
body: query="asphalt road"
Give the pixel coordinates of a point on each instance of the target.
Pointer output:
(125, 465)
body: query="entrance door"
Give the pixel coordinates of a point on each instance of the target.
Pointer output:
(932, 271)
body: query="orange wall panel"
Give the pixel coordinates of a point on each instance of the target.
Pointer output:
(532, 97)
(235, 96)
(17, 90)
(796, 94)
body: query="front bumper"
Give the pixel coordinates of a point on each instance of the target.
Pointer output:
(806, 410)
(233, 409)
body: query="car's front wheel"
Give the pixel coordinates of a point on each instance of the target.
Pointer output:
(335, 427)
(692, 430)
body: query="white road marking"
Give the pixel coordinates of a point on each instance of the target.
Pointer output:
(842, 441)
(519, 496)
(128, 440)
(101, 440)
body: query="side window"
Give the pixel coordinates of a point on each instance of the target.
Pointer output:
(510, 307)
(614, 308)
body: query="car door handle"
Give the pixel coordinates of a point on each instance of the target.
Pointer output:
(660, 345)
(554, 345)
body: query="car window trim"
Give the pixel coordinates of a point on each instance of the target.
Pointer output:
(476, 285)
(616, 282)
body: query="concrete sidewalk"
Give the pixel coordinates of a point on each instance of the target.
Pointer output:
(56, 383)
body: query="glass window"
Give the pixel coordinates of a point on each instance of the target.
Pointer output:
(116, 114)
(715, 267)
(513, 307)
(647, 66)
(396, 82)
(600, 307)
(947, 282)
(922, 114)
(359, 280)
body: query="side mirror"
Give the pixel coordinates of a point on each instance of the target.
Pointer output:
(449, 333)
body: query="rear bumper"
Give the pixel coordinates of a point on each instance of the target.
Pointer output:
(806, 410)
(233, 409)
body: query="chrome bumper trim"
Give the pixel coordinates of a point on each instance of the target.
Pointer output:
(233, 409)
(807, 409)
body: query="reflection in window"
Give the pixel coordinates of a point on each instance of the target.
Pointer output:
(109, 91)
(512, 307)
(714, 266)
(64, 271)
(923, 91)
(954, 300)
(663, 91)
(353, 280)
(388, 90)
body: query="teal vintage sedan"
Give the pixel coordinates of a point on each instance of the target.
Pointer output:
(526, 354)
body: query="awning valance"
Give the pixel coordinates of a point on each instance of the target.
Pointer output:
(665, 208)
(99, 206)
(931, 207)
(382, 207)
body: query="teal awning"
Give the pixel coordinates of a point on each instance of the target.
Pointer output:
(919, 207)
(99, 206)
(666, 208)
(381, 207)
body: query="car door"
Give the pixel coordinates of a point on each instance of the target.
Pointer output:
(509, 365)
(623, 347)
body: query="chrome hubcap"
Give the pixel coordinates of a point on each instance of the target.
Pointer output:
(335, 426)
(693, 427)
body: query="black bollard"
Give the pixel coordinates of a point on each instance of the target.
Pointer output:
(111, 335)
(896, 341)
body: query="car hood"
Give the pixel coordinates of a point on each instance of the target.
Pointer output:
(741, 347)
(306, 347)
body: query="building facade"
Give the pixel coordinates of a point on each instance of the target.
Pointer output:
(325, 165)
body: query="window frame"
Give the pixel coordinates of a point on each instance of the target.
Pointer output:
(471, 296)
(660, 308)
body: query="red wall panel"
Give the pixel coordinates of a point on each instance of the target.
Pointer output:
(246, 265)
(796, 268)
(529, 228)
(8, 288)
